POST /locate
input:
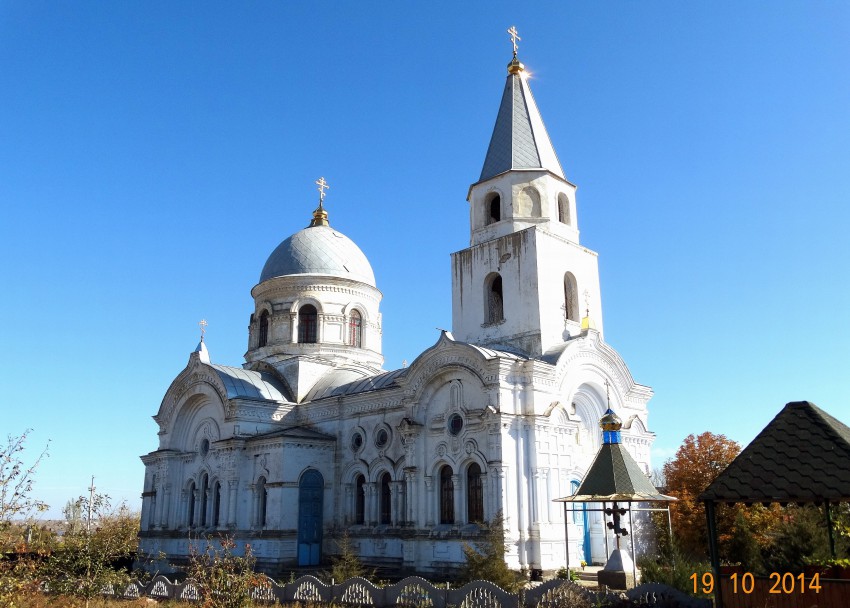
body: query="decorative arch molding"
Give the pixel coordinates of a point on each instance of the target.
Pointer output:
(636, 425)
(264, 306)
(197, 379)
(445, 357)
(207, 428)
(183, 429)
(302, 301)
(475, 457)
(439, 463)
(306, 471)
(359, 307)
(528, 203)
(379, 465)
(590, 406)
(353, 469)
(589, 357)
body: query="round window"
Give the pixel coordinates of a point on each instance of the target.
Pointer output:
(382, 438)
(455, 424)
(205, 446)
(356, 442)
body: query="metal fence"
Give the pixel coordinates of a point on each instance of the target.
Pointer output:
(415, 592)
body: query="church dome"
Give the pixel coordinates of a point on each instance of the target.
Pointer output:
(319, 250)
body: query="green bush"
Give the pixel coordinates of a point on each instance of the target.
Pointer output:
(485, 560)
(674, 568)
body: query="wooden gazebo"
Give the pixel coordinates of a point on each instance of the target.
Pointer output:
(802, 456)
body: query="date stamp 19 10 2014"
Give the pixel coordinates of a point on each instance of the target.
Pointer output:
(780, 583)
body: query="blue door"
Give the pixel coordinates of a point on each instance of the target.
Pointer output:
(311, 492)
(580, 519)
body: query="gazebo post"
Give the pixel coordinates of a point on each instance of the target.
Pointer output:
(829, 530)
(605, 530)
(712, 549)
(670, 535)
(567, 537)
(633, 543)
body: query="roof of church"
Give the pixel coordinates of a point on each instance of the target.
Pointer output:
(519, 139)
(615, 476)
(319, 250)
(802, 455)
(362, 385)
(296, 432)
(247, 384)
(330, 386)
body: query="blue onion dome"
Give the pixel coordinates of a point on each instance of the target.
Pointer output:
(610, 421)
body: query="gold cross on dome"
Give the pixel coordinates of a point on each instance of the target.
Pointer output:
(323, 185)
(203, 325)
(514, 37)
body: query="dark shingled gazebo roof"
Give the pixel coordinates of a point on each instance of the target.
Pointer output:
(803, 455)
(615, 476)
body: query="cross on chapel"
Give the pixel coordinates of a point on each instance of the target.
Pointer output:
(514, 37)
(323, 185)
(203, 325)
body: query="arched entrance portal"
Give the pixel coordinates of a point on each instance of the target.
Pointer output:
(310, 497)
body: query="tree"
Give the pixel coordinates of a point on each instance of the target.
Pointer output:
(16, 479)
(17, 568)
(89, 558)
(485, 559)
(347, 564)
(698, 462)
(224, 578)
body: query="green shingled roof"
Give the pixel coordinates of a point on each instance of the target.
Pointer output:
(803, 455)
(615, 476)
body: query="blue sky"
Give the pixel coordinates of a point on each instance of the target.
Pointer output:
(153, 154)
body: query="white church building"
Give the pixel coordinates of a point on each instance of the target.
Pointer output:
(311, 438)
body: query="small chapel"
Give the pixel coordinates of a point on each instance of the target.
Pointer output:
(310, 438)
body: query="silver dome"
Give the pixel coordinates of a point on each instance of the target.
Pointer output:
(319, 250)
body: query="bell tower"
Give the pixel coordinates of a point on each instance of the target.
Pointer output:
(525, 282)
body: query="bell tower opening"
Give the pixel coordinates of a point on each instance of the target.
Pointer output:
(494, 209)
(495, 312)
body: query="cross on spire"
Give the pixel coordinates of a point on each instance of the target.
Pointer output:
(323, 185)
(514, 37)
(203, 325)
(587, 301)
(608, 392)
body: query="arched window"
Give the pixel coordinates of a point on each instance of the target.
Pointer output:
(570, 298)
(494, 209)
(264, 329)
(216, 503)
(359, 500)
(447, 496)
(204, 496)
(355, 323)
(474, 494)
(386, 499)
(262, 502)
(528, 203)
(190, 507)
(307, 317)
(494, 302)
(563, 209)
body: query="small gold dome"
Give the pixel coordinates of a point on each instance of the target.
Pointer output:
(320, 217)
(515, 67)
(610, 421)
